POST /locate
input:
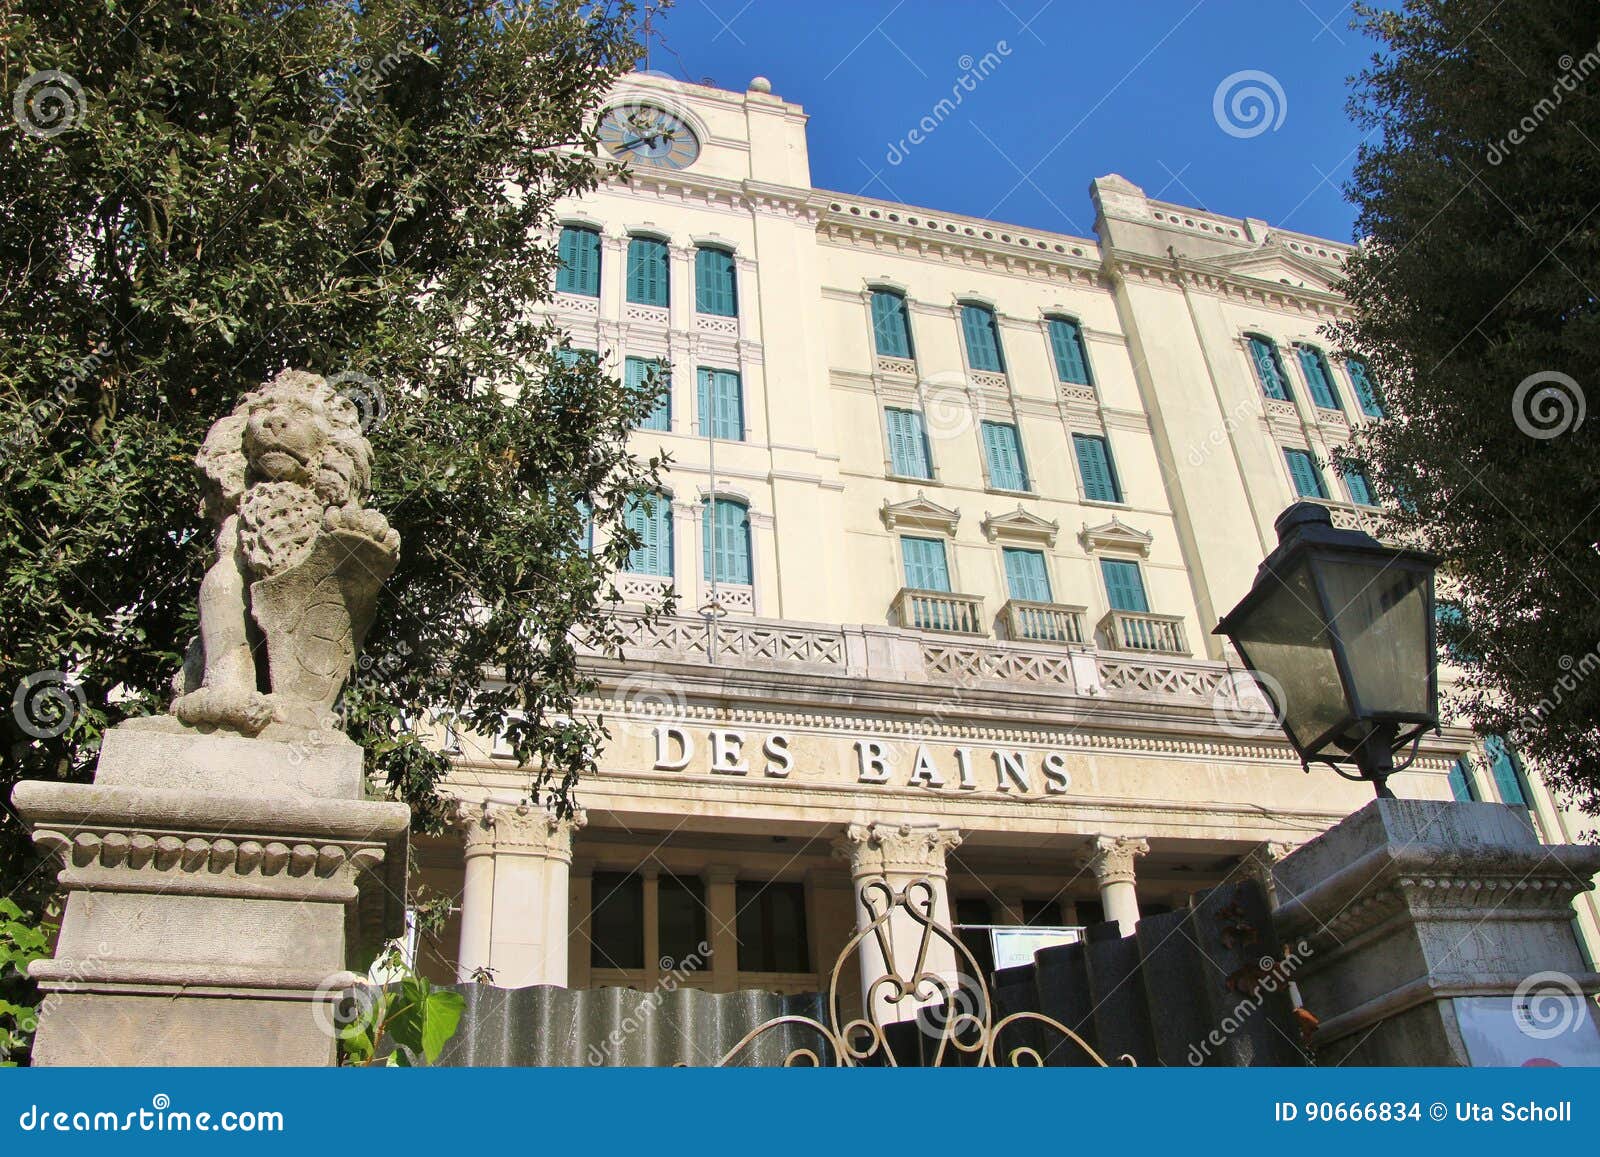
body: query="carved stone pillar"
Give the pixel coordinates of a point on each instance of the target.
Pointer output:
(897, 856)
(514, 917)
(1111, 861)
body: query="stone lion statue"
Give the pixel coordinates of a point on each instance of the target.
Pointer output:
(299, 559)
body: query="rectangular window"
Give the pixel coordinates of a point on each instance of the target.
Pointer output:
(650, 517)
(715, 286)
(1124, 585)
(1002, 450)
(1099, 476)
(983, 338)
(616, 921)
(908, 444)
(681, 920)
(1360, 489)
(1307, 478)
(725, 534)
(1366, 395)
(1319, 376)
(721, 405)
(1269, 369)
(1506, 768)
(1041, 913)
(648, 271)
(579, 251)
(570, 356)
(1026, 576)
(772, 927)
(1072, 357)
(1461, 782)
(891, 329)
(637, 376)
(924, 563)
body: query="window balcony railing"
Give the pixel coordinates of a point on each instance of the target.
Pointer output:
(727, 599)
(1141, 631)
(1349, 516)
(1035, 622)
(939, 611)
(900, 367)
(644, 589)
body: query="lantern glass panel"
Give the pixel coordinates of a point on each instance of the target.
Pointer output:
(1283, 636)
(1381, 614)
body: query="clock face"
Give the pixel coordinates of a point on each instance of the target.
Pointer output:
(648, 135)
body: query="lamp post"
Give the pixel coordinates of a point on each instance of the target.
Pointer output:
(1338, 631)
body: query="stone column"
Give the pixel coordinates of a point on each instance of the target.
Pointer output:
(898, 856)
(722, 904)
(1111, 861)
(515, 900)
(1425, 932)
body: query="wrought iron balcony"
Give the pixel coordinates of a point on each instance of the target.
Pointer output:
(1037, 622)
(939, 611)
(1141, 631)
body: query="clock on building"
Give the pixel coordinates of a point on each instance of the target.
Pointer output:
(648, 135)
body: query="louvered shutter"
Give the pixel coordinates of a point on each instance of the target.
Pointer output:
(1004, 454)
(908, 446)
(725, 534)
(1066, 343)
(1094, 465)
(721, 405)
(891, 332)
(1315, 367)
(925, 564)
(1026, 577)
(1365, 394)
(1461, 782)
(1307, 479)
(636, 376)
(1264, 354)
(648, 271)
(715, 291)
(579, 251)
(1124, 585)
(983, 339)
(1360, 489)
(1503, 766)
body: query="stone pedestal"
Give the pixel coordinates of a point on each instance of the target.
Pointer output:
(1111, 862)
(897, 856)
(1413, 911)
(218, 890)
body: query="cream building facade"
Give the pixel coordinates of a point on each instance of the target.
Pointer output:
(952, 510)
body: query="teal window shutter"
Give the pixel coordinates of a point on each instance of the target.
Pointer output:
(586, 529)
(636, 376)
(983, 338)
(648, 271)
(579, 251)
(1026, 577)
(650, 517)
(725, 535)
(1124, 585)
(715, 290)
(891, 329)
(570, 357)
(1269, 369)
(1507, 771)
(1307, 478)
(908, 444)
(1094, 466)
(1314, 364)
(1004, 453)
(721, 405)
(925, 564)
(1366, 395)
(1072, 357)
(1360, 489)
(1461, 782)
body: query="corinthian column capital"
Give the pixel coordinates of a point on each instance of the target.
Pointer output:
(879, 849)
(519, 830)
(1111, 859)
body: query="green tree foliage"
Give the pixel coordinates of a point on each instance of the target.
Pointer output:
(1479, 198)
(194, 196)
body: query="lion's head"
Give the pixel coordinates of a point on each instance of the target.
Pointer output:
(294, 429)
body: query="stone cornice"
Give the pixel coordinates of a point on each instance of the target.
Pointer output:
(1180, 273)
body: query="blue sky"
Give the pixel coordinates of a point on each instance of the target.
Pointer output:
(1073, 89)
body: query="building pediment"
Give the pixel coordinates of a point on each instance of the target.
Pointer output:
(920, 512)
(1273, 263)
(1116, 535)
(1020, 525)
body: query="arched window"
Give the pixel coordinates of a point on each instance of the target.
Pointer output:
(1268, 366)
(650, 517)
(1071, 356)
(725, 533)
(715, 286)
(648, 271)
(891, 327)
(982, 333)
(580, 261)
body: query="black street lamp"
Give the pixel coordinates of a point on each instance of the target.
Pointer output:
(1338, 631)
